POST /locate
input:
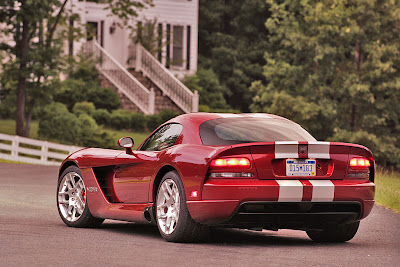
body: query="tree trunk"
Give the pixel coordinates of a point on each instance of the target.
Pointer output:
(21, 88)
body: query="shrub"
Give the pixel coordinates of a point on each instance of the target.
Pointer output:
(103, 98)
(57, 123)
(91, 135)
(102, 116)
(138, 122)
(167, 114)
(153, 121)
(84, 108)
(120, 119)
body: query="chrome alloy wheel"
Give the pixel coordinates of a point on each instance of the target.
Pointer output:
(168, 204)
(71, 196)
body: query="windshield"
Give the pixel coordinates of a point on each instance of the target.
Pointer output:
(230, 131)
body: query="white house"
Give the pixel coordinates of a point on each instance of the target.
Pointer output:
(176, 29)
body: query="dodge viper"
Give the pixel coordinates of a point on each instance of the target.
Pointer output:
(201, 170)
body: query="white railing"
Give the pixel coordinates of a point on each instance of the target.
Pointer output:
(166, 81)
(143, 98)
(22, 149)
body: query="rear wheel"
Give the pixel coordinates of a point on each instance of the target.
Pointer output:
(172, 215)
(338, 234)
(71, 200)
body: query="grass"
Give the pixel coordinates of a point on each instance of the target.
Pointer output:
(8, 127)
(388, 189)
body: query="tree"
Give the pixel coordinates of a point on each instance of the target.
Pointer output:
(32, 26)
(232, 43)
(334, 68)
(33, 41)
(209, 88)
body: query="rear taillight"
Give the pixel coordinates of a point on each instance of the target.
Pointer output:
(360, 163)
(359, 168)
(236, 163)
(235, 167)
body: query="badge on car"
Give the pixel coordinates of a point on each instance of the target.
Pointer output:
(300, 167)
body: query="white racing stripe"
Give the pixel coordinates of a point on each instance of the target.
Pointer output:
(286, 149)
(323, 190)
(229, 115)
(319, 150)
(290, 190)
(258, 115)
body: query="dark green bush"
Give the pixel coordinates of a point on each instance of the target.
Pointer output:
(91, 135)
(167, 114)
(138, 122)
(102, 116)
(153, 121)
(103, 98)
(120, 119)
(84, 108)
(57, 123)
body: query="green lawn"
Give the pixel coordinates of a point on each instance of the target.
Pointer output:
(8, 127)
(388, 189)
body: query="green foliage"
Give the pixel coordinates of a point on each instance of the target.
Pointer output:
(120, 119)
(210, 90)
(232, 42)
(153, 121)
(56, 122)
(103, 97)
(102, 116)
(167, 114)
(34, 50)
(333, 67)
(84, 108)
(138, 122)
(83, 85)
(91, 135)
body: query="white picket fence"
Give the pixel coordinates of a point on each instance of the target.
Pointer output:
(17, 148)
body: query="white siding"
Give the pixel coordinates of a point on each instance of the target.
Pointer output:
(173, 12)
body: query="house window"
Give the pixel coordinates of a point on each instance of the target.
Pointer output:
(177, 49)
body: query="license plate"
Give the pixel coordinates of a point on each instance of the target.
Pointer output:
(300, 167)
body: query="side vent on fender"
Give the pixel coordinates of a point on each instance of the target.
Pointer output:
(104, 176)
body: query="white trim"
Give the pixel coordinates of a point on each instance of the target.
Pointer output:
(319, 150)
(290, 190)
(286, 149)
(323, 190)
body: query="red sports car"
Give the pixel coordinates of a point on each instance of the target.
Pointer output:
(250, 171)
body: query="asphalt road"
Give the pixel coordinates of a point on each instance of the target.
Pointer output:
(32, 234)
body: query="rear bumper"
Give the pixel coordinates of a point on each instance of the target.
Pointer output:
(246, 203)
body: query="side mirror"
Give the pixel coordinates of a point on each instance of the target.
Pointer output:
(127, 143)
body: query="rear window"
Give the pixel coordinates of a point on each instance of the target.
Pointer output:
(230, 131)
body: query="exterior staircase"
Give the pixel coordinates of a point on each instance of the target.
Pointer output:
(149, 88)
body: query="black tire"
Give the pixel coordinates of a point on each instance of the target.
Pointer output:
(340, 233)
(185, 229)
(81, 219)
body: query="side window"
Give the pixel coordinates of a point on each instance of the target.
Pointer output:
(165, 137)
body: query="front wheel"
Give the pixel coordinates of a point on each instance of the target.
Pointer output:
(172, 215)
(338, 234)
(71, 200)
